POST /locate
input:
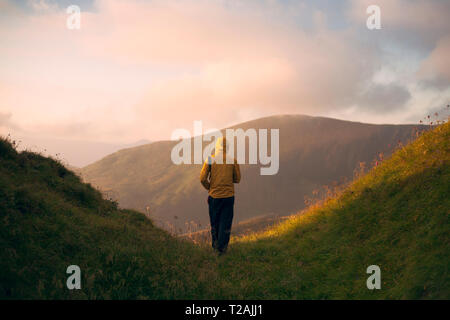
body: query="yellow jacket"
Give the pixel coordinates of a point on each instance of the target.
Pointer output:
(218, 177)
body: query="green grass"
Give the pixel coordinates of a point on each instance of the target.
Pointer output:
(50, 220)
(396, 217)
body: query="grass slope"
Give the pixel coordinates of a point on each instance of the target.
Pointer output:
(396, 217)
(50, 220)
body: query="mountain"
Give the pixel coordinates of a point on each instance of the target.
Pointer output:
(396, 217)
(314, 152)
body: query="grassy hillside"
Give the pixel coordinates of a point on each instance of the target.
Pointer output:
(396, 216)
(50, 220)
(314, 151)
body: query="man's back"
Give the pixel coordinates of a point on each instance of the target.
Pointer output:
(222, 171)
(222, 177)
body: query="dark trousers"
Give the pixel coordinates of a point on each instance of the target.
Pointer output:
(221, 218)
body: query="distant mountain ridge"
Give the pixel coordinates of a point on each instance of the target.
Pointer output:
(76, 153)
(314, 151)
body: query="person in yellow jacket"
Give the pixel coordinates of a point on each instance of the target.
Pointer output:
(218, 175)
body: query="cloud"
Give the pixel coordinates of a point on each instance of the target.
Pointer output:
(220, 92)
(238, 65)
(42, 5)
(5, 119)
(8, 125)
(435, 70)
(384, 98)
(139, 69)
(426, 21)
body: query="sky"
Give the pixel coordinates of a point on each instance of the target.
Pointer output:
(140, 69)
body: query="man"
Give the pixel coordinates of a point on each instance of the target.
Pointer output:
(218, 175)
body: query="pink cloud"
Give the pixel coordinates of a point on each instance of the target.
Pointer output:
(436, 68)
(140, 69)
